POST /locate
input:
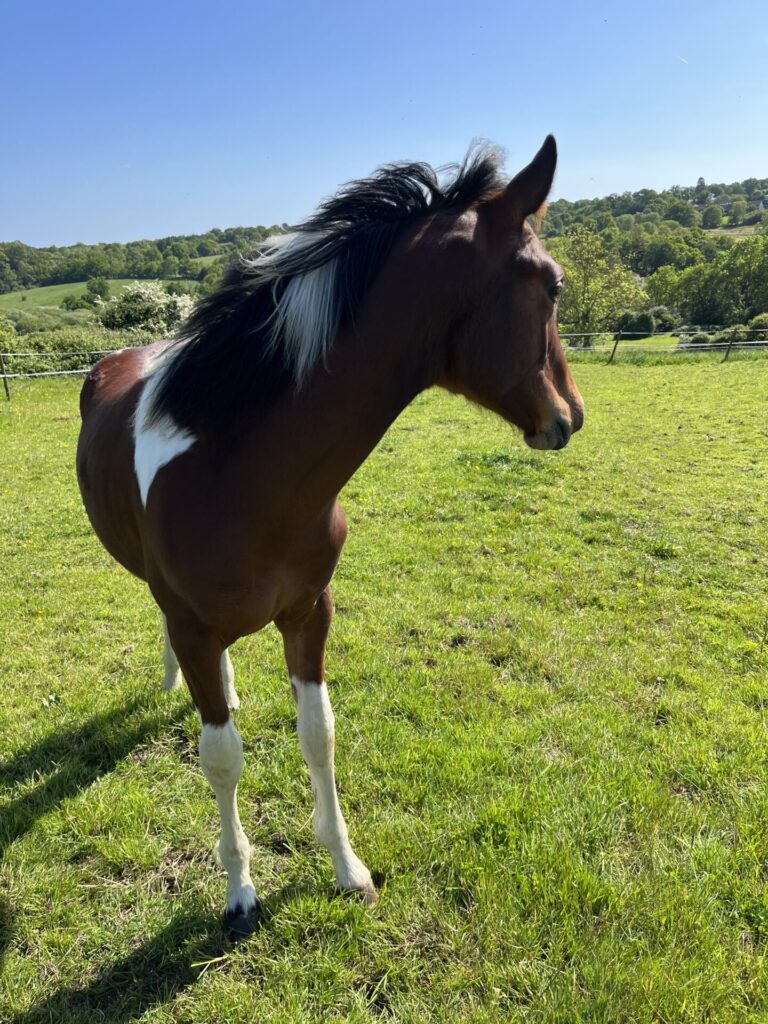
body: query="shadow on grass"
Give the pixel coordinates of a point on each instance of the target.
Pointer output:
(171, 961)
(73, 758)
(6, 928)
(155, 973)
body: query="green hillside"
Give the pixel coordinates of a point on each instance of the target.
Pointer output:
(49, 299)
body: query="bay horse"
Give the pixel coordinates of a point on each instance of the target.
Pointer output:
(210, 464)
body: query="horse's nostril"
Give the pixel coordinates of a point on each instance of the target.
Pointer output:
(563, 428)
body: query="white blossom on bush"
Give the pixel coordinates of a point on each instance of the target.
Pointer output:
(145, 306)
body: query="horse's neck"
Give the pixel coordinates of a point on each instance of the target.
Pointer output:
(317, 438)
(339, 416)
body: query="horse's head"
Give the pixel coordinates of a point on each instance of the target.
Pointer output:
(503, 349)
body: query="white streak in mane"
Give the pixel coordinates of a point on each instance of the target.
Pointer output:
(158, 442)
(306, 317)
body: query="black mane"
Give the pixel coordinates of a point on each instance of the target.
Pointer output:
(229, 356)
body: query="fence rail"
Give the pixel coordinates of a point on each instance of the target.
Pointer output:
(584, 344)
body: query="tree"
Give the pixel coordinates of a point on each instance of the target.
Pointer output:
(683, 213)
(738, 212)
(598, 286)
(706, 294)
(171, 266)
(712, 217)
(745, 266)
(661, 287)
(96, 290)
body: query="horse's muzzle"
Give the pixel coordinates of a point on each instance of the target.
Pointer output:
(554, 437)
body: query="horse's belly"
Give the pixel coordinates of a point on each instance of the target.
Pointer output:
(105, 469)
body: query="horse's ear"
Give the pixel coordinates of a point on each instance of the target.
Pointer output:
(528, 189)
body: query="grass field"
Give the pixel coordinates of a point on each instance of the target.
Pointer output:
(205, 261)
(49, 299)
(739, 232)
(549, 677)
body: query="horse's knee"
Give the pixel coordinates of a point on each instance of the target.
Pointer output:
(221, 755)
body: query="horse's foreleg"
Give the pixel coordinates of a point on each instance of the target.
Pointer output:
(221, 758)
(172, 679)
(304, 654)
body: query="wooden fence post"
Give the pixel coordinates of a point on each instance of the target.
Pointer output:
(615, 346)
(730, 345)
(5, 379)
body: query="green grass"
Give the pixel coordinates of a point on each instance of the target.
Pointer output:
(549, 677)
(737, 232)
(206, 261)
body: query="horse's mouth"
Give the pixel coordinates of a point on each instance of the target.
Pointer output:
(551, 440)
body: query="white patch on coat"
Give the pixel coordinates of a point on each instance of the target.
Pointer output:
(172, 679)
(228, 682)
(316, 729)
(156, 442)
(221, 758)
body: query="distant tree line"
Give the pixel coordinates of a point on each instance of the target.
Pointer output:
(639, 261)
(730, 289)
(603, 294)
(702, 205)
(640, 253)
(23, 266)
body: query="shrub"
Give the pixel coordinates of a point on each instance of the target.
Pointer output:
(738, 332)
(72, 302)
(664, 318)
(696, 329)
(42, 320)
(730, 334)
(96, 290)
(7, 335)
(638, 323)
(759, 323)
(182, 288)
(145, 306)
(696, 339)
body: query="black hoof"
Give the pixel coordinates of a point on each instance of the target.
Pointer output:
(242, 923)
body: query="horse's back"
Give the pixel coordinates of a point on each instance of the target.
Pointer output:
(114, 376)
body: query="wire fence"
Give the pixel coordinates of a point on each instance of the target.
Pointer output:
(695, 341)
(13, 365)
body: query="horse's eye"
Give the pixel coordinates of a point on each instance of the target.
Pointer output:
(556, 291)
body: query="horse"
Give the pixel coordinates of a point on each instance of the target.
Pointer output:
(210, 463)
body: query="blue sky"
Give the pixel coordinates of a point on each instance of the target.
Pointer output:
(140, 120)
